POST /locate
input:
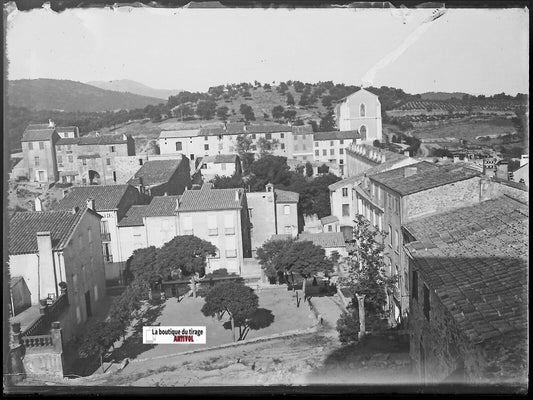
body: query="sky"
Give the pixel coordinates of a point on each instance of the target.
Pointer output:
(477, 51)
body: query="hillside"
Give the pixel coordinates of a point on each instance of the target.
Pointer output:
(441, 96)
(53, 94)
(127, 85)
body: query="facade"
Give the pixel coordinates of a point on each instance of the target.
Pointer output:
(361, 112)
(521, 175)
(272, 212)
(219, 216)
(163, 177)
(468, 271)
(111, 202)
(392, 198)
(47, 248)
(220, 165)
(39, 153)
(301, 143)
(330, 224)
(331, 147)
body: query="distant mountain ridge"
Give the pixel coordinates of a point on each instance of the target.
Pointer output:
(66, 95)
(441, 96)
(127, 85)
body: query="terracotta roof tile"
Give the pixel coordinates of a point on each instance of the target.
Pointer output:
(156, 172)
(106, 197)
(324, 239)
(213, 199)
(336, 135)
(162, 206)
(285, 196)
(134, 216)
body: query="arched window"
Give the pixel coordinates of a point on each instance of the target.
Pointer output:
(362, 131)
(362, 110)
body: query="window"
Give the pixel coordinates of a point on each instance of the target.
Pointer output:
(140, 161)
(380, 221)
(60, 160)
(108, 161)
(220, 146)
(253, 136)
(282, 135)
(304, 158)
(295, 147)
(30, 146)
(114, 176)
(341, 141)
(288, 230)
(268, 136)
(283, 146)
(250, 212)
(414, 291)
(229, 224)
(112, 148)
(331, 143)
(345, 210)
(286, 210)
(78, 314)
(397, 270)
(192, 157)
(362, 131)
(223, 166)
(206, 147)
(341, 151)
(332, 152)
(344, 192)
(362, 110)
(330, 228)
(179, 146)
(95, 293)
(70, 159)
(187, 225)
(36, 161)
(324, 152)
(41, 145)
(231, 251)
(426, 302)
(390, 236)
(90, 234)
(316, 144)
(341, 162)
(212, 225)
(304, 147)
(317, 152)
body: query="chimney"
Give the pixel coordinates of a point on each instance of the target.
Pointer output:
(237, 195)
(269, 187)
(408, 171)
(38, 204)
(51, 124)
(124, 137)
(225, 125)
(75, 210)
(166, 194)
(65, 192)
(90, 204)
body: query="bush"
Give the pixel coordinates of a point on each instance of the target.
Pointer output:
(348, 327)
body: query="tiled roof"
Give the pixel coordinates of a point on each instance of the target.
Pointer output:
(179, 133)
(324, 239)
(241, 128)
(302, 130)
(427, 176)
(156, 172)
(329, 219)
(106, 197)
(475, 259)
(15, 280)
(220, 159)
(134, 216)
(37, 132)
(162, 206)
(214, 199)
(64, 141)
(23, 228)
(66, 128)
(102, 140)
(336, 135)
(285, 196)
(268, 128)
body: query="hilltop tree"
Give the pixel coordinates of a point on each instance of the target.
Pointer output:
(223, 113)
(235, 299)
(327, 122)
(205, 109)
(290, 99)
(282, 87)
(247, 112)
(289, 115)
(277, 112)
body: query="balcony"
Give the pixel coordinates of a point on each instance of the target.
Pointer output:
(106, 237)
(108, 258)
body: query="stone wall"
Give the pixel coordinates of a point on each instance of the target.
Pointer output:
(491, 189)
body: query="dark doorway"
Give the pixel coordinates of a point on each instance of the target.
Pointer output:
(94, 177)
(88, 303)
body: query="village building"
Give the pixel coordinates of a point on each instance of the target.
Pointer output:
(301, 143)
(331, 242)
(39, 153)
(220, 165)
(272, 212)
(58, 254)
(391, 198)
(163, 177)
(331, 147)
(361, 112)
(111, 202)
(468, 272)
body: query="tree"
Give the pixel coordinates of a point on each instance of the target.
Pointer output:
(289, 115)
(290, 99)
(282, 87)
(326, 101)
(223, 113)
(142, 264)
(327, 122)
(244, 144)
(277, 112)
(236, 299)
(247, 112)
(323, 169)
(308, 169)
(305, 259)
(187, 253)
(227, 182)
(98, 340)
(376, 143)
(298, 86)
(366, 272)
(266, 146)
(269, 254)
(205, 109)
(273, 169)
